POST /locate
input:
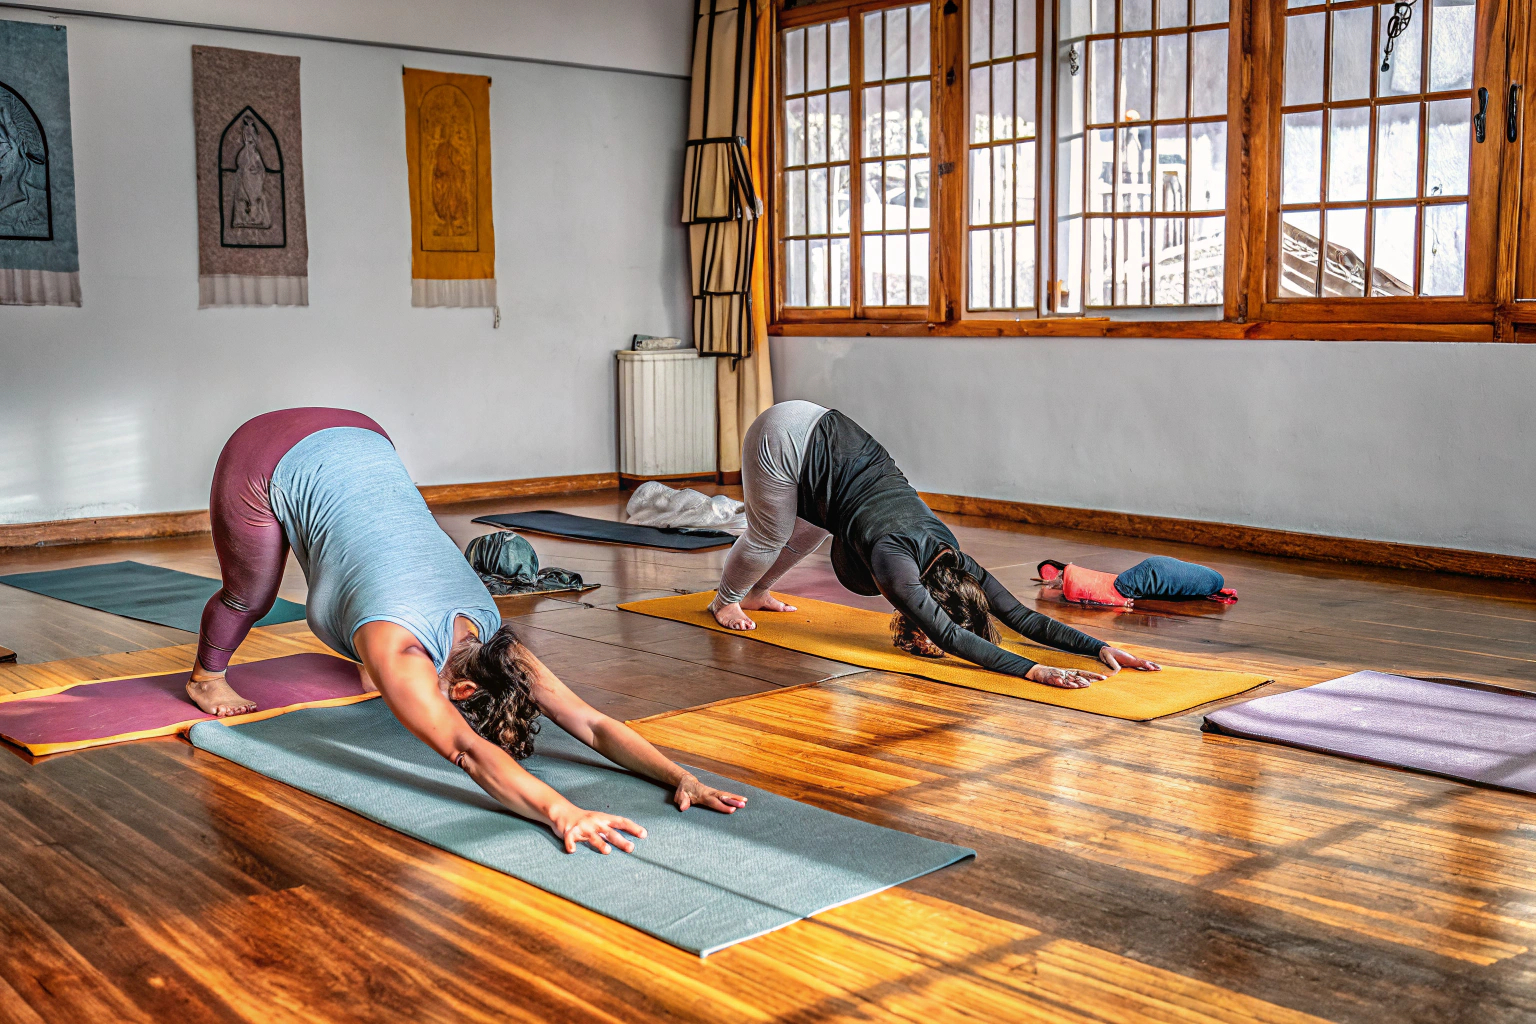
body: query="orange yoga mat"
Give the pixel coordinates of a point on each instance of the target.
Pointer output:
(857, 636)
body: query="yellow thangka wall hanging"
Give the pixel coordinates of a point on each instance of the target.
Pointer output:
(448, 154)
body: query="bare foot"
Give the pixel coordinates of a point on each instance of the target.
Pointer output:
(765, 602)
(215, 696)
(732, 617)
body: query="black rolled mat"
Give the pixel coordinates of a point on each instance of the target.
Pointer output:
(606, 531)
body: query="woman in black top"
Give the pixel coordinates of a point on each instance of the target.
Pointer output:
(808, 472)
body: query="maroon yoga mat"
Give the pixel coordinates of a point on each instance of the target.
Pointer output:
(816, 580)
(93, 714)
(1461, 732)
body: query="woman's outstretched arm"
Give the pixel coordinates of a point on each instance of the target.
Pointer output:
(621, 744)
(403, 671)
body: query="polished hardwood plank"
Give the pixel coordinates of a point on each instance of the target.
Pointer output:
(1139, 872)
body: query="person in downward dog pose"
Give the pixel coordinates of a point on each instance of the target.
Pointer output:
(809, 472)
(388, 588)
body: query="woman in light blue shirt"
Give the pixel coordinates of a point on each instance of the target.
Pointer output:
(388, 588)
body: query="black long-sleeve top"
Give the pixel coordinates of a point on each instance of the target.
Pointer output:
(885, 538)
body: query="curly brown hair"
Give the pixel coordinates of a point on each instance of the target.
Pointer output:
(959, 595)
(502, 708)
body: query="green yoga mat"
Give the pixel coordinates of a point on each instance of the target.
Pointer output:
(700, 880)
(149, 593)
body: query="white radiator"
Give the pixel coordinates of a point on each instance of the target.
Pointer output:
(666, 415)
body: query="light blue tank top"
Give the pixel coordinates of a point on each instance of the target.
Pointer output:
(368, 546)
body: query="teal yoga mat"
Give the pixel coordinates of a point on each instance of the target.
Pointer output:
(700, 881)
(150, 593)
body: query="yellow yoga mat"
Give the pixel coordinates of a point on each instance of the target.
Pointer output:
(860, 637)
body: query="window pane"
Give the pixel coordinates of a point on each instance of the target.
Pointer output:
(816, 129)
(1002, 184)
(1172, 169)
(1136, 78)
(837, 126)
(816, 204)
(1024, 181)
(1452, 36)
(1135, 15)
(838, 73)
(1208, 97)
(1445, 249)
(895, 195)
(1168, 261)
(1344, 270)
(1133, 254)
(1208, 166)
(1103, 15)
(1392, 250)
(1024, 268)
(981, 270)
(921, 120)
(917, 291)
(842, 200)
(841, 267)
(1172, 61)
(1135, 170)
(1101, 247)
(920, 41)
(1024, 28)
(1101, 168)
(981, 105)
(874, 197)
(1172, 13)
(1002, 29)
(1002, 267)
(1302, 170)
(1304, 58)
(794, 133)
(1405, 71)
(1397, 151)
(896, 119)
(816, 57)
(1352, 60)
(874, 47)
(920, 194)
(1349, 131)
(1024, 108)
(794, 62)
(896, 43)
(874, 120)
(1207, 260)
(1300, 232)
(981, 187)
(981, 36)
(1210, 12)
(1450, 136)
(796, 272)
(896, 270)
(873, 257)
(1002, 101)
(816, 272)
(1101, 78)
(794, 198)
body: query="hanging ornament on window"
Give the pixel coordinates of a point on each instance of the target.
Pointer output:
(1402, 14)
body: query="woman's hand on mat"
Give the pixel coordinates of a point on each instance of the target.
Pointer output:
(594, 828)
(731, 616)
(1117, 659)
(691, 792)
(1066, 678)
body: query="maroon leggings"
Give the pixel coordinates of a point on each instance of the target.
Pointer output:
(250, 542)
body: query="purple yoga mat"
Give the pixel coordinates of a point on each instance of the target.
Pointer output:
(1460, 732)
(91, 713)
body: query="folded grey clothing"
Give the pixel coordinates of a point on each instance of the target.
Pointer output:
(656, 504)
(507, 564)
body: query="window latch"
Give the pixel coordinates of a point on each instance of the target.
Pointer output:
(947, 167)
(1480, 119)
(1512, 118)
(1072, 61)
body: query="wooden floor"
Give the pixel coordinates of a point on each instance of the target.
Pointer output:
(1125, 871)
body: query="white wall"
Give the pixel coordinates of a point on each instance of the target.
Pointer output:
(1419, 443)
(643, 35)
(121, 406)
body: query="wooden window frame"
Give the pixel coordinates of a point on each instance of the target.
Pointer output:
(1490, 314)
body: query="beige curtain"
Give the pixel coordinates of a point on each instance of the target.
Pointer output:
(724, 176)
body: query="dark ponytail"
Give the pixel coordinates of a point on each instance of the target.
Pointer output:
(962, 599)
(502, 708)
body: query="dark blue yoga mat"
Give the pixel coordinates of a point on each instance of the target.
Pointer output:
(700, 880)
(1467, 732)
(149, 593)
(606, 531)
